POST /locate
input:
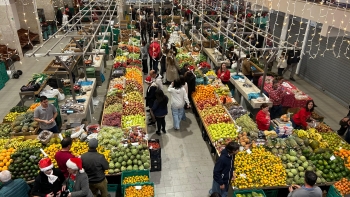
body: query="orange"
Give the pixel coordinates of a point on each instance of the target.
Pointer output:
(8, 157)
(3, 151)
(5, 160)
(2, 158)
(4, 168)
(8, 163)
(1, 164)
(8, 153)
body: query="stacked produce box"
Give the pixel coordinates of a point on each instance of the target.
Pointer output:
(156, 155)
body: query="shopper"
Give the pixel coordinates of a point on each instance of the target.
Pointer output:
(293, 60)
(157, 78)
(224, 169)
(282, 64)
(246, 67)
(191, 85)
(150, 92)
(347, 136)
(184, 69)
(49, 181)
(95, 165)
(154, 53)
(77, 182)
(178, 100)
(163, 62)
(160, 110)
(215, 194)
(343, 123)
(144, 57)
(263, 117)
(224, 74)
(46, 114)
(63, 155)
(172, 68)
(308, 189)
(276, 95)
(143, 29)
(77, 19)
(300, 119)
(9, 187)
(184, 84)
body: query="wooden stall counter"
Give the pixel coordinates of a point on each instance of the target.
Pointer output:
(246, 87)
(77, 117)
(212, 58)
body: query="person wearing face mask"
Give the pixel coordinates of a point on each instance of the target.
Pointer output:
(300, 119)
(263, 117)
(49, 181)
(224, 169)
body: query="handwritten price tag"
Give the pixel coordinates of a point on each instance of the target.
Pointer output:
(249, 151)
(332, 158)
(138, 187)
(243, 175)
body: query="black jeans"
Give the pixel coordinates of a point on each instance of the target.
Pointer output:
(280, 71)
(144, 66)
(163, 65)
(143, 35)
(160, 124)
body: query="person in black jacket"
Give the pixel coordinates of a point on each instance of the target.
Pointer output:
(184, 69)
(95, 165)
(49, 181)
(292, 61)
(224, 168)
(160, 110)
(190, 79)
(150, 96)
(344, 124)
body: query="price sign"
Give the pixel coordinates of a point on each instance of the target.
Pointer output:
(138, 187)
(332, 158)
(243, 175)
(126, 102)
(249, 151)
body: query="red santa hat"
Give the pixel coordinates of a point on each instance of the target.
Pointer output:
(45, 164)
(148, 79)
(75, 164)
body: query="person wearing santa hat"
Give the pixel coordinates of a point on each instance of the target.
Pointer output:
(49, 181)
(77, 182)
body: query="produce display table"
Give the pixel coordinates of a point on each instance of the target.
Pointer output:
(31, 94)
(243, 92)
(293, 97)
(197, 37)
(88, 106)
(212, 58)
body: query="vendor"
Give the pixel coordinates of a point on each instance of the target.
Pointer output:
(263, 117)
(275, 96)
(246, 67)
(300, 119)
(46, 114)
(224, 74)
(344, 124)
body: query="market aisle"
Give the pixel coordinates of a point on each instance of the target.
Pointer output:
(29, 66)
(187, 166)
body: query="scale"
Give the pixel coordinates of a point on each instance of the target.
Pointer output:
(279, 123)
(68, 110)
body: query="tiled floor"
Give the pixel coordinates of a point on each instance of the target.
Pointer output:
(187, 164)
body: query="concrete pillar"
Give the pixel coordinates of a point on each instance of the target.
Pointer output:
(304, 45)
(283, 32)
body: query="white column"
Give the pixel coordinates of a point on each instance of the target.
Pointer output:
(306, 35)
(284, 32)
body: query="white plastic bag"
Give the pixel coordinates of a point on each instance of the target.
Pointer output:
(61, 97)
(78, 131)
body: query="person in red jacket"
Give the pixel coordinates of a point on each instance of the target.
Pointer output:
(304, 114)
(263, 117)
(63, 155)
(154, 53)
(224, 74)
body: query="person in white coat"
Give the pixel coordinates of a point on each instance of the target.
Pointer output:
(65, 21)
(282, 64)
(178, 100)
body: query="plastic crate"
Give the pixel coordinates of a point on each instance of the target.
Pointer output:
(333, 192)
(140, 184)
(155, 153)
(133, 173)
(112, 189)
(156, 165)
(259, 191)
(271, 192)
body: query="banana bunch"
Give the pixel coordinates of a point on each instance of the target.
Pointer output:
(314, 135)
(210, 73)
(323, 144)
(120, 59)
(3, 142)
(301, 133)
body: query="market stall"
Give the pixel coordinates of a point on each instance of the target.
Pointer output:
(293, 98)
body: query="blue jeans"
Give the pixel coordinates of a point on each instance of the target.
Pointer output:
(216, 188)
(177, 116)
(184, 115)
